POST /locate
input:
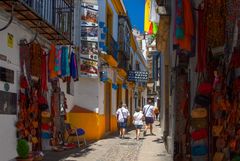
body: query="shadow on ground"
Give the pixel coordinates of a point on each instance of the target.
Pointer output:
(60, 156)
(158, 140)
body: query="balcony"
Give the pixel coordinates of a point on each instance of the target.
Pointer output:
(112, 47)
(53, 19)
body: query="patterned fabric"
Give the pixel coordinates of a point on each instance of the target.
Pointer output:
(179, 20)
(44, 73)
(216, 18)
(184, 23)
(73, 67)
(51, 62)
(35, 60)
(65, 62)
(202, 44)
(57, 67)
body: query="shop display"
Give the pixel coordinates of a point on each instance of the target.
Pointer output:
(41, 120)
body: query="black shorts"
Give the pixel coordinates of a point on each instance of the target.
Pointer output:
(149, 120)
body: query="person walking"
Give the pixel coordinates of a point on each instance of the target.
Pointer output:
(122, 116)
(156, 112)
(148, 111)
(138, 122)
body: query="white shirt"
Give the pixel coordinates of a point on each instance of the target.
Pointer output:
(138, 116)
(122, 113)
(148, 110)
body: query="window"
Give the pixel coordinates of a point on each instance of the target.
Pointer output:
(137, 66)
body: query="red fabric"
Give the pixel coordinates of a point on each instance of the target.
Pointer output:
(42, 100)
(202, 45)
(205, 88)
(235, 60)
(186, 42)
(23, 82)
(44, 73)
(199, 134)
(45, 127)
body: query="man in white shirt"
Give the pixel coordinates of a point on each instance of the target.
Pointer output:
(148, 111)
(122, 116)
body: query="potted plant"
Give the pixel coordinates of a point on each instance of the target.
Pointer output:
(23, 151)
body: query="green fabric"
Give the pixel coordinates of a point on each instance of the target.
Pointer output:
(179, 33)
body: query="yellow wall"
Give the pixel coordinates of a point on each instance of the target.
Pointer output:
(92, 123)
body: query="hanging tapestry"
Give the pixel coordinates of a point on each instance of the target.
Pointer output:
(216, 18)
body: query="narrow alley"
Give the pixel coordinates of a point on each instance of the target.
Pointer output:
(113, 148)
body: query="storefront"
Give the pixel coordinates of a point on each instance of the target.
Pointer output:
(206, 91)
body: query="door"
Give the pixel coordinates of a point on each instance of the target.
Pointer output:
(108, 106)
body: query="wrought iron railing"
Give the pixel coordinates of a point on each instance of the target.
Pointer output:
(112, 47)
(58, 13)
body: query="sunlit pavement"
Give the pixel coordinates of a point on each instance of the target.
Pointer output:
(148, 148)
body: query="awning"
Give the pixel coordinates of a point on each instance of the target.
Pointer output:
(109, 59)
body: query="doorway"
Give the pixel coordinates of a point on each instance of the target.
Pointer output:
(108, 93)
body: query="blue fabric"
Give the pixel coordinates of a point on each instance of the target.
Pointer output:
(45, 135)
(65, 62)
(73, 67)
(199, 150)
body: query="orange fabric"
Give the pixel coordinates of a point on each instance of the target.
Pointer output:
(51, 62)
(185, 43)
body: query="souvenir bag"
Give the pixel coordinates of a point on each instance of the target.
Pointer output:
(218, 156)
(205, 88)
(202, 100)
(216, 130)
(199, 134)
(199, 123)
(199, 150)
(199, 113)
(199, 158)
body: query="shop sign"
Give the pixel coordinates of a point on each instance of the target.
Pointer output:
(89, 40)
(10, 40)
(138, 76)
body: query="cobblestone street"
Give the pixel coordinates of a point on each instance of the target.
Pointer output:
(115, 149)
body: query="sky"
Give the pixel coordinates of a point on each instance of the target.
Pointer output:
(135, 9)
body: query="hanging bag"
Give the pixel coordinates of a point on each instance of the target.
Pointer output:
(216, 130)
(199, 113)
(202, 100)
(199, 150)
(199, 134)
(199, 123)
(218, 156)
(205, 88)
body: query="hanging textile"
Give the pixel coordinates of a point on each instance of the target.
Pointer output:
(230, 24)
(51, 62)
(73, 67)
(57, 67)
(154, 16)
(216, 18)
(65, 62)
(184, 25)
(44, 72)
(147, 22)
(202, 44)
(35, 59)
(179, 20)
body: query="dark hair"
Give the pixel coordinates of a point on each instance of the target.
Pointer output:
(137, 109)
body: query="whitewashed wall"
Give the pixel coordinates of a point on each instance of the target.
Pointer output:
(86, 93)
(7, 122)
(114, 101)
